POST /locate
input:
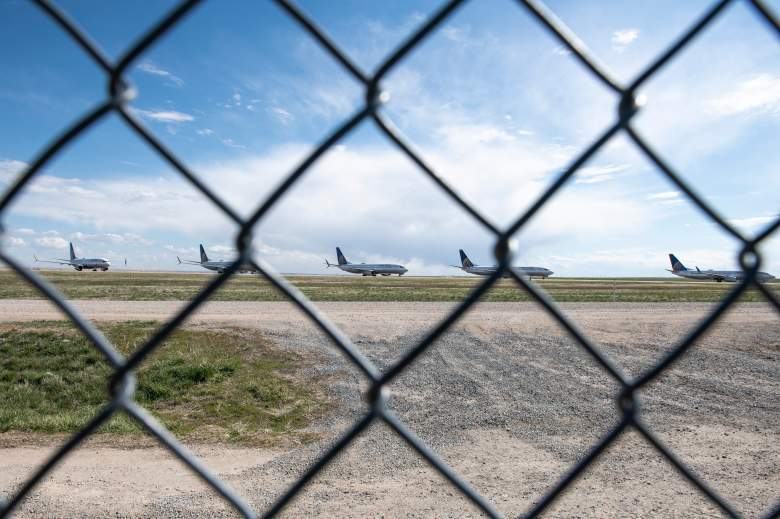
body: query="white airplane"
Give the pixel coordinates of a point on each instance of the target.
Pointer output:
(80, 263)
(219, 266)
(678, 269)
(366, 269)
(529, 272)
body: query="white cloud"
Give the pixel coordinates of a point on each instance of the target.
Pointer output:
(10, 169)
(24, 231)
(349, 186)
(205, 132)
(753, 222)
(665, 195)
(222, 249)
(180, 250)
(113, 238)
(622, 38)
(596, 174)
(233, 144)
(168, 116)
(667, 198)
(149, 68)
(614, 258)
(48, 184)
(282, 115)
(463, 135)
(12, 242)
(52, 242)
(759, 94)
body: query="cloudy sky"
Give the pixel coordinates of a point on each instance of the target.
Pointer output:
(491, 101)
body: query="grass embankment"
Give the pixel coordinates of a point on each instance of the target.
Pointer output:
(155, 286)
(202, 385)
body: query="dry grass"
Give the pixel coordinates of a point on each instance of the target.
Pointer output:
(156, 286)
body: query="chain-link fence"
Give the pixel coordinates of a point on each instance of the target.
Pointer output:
(122, 385)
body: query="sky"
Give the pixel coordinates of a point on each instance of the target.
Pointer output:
(491, 101)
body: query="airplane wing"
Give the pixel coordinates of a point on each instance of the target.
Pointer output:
(187, 262)
(58, 262)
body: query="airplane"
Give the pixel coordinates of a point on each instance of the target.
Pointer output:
(529, 272)
(678, 269)
(366, 269)
(219, 266)
(79, 264)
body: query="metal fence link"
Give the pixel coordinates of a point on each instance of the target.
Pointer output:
(122, 383)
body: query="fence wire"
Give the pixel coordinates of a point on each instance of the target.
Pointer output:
(122, 384)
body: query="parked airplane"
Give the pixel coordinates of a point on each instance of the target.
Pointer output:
(219, 266)
(79, 263)
(529, 272)
(678, 269)
(366, 269)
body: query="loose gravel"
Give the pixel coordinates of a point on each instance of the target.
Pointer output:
(506, 399)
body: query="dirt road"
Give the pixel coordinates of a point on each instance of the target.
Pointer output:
(505, 398)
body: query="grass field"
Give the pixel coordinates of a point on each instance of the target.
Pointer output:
(203, 385)
(156, 286)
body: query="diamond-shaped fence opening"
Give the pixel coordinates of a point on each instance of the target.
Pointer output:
(628, 409)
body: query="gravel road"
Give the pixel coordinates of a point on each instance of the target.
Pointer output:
(505, 398)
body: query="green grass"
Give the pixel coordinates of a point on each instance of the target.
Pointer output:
(155, 286)
(203, 385)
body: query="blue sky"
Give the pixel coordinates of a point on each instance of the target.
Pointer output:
(495, 104)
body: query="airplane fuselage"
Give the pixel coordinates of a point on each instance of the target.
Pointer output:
(731, 276)
(528, 272)
(90, 264)
(221, 266)
(372, 269)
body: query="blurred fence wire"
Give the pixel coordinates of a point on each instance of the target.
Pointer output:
(122, 384)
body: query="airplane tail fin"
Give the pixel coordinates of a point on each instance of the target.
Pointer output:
(464, 260)
(203, 257)
(677, 265)
(178, 259)
(342, 260)
(72, 252)
(35, 258)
